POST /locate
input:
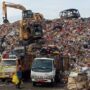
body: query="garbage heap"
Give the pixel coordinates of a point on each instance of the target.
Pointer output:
(72, 36)
(78, 81)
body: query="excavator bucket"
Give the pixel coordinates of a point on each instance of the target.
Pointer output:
(37, 31)
(5, 20)
(32, 33)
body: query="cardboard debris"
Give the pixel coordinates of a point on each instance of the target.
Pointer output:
(78, 82)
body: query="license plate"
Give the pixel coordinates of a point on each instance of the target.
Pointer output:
(40, 80)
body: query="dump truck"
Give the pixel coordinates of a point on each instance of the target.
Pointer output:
(48, 69)
(7, 66)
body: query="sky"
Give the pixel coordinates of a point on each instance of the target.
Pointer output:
(49, 8)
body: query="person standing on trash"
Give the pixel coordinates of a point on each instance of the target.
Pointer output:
(18, 73)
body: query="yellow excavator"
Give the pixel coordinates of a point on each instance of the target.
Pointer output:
(26, 32)
(25, 13)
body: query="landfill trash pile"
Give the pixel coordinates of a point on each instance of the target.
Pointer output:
(10, 34)
(71, 36)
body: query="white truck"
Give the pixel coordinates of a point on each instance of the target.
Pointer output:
(49, 70)
(45, 70)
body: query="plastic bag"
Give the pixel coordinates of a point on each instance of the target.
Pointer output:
(15, 79)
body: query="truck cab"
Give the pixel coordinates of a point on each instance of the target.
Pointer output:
(43, 70)
(7, 66)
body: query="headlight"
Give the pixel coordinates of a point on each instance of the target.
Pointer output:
(33, 76)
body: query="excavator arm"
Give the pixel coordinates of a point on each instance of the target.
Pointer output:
(28, 33)
(11, 5)
(25, 13)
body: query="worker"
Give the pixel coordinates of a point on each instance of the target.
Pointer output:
(19, 73)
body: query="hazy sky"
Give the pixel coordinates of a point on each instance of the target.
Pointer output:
(49, 8)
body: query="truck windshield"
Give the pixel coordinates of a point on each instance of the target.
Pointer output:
(42, 65)
(8, 62)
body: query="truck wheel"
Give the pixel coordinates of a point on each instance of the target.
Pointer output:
(52, 82)
(3, 80)
(34, 83)
(57, 78)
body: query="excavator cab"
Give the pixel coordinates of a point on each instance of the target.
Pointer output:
(27, 14)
